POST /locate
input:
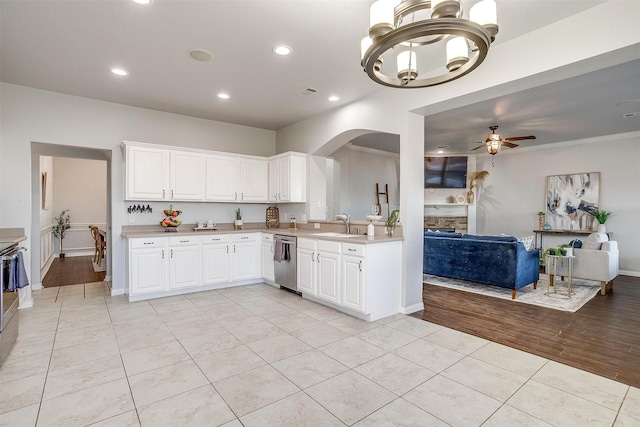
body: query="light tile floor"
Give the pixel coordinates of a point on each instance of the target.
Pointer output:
(258, 356)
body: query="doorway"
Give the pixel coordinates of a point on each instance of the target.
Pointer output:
(76, 179)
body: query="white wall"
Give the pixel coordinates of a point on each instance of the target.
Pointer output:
(51, 118)
(515, 189)
(360, 170)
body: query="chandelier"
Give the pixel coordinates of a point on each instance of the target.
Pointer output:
(408, 26)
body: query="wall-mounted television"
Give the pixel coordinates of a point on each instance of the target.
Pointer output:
(445, 172)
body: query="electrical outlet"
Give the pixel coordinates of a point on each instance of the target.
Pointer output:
(286, 217)
(316, 225)
(132, 218)
(317, 203)
(303, 218)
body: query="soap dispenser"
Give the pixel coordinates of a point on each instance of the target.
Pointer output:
(371, 229)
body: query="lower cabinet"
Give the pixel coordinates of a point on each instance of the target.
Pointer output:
(267, 257)
(158, 266)
(353, 279)
(307, 266)
(329, 271)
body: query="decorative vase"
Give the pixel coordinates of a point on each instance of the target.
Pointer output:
(470, 197)
(389, 231)
(546, 226)
(237, 224)
(602, 228)
(540, 222)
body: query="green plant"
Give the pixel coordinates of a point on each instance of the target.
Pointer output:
(238, 214)
(63, 223)
(541, 213)
(601, 216)
(393, 219)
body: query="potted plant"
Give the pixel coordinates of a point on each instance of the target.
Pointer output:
(476, 176)
(540, 219)
(601, 217)
(63, 223)
(390, 225)
(238, 222)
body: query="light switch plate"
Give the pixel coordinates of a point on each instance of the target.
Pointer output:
(316, 225)
(132, 218)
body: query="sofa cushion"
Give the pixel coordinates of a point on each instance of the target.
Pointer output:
(439, 234)
(509, 239)
(594, 241)
(527, 242)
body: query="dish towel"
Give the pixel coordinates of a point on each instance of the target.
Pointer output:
(277, 250)
(17, 274)
(286, 254)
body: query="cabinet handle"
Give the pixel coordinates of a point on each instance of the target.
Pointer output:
(318, 257)
(147, 243)
(242, 196)
(184, 241)
(227, 248)
(244, 238)
(360, 265)
(234, 249)
(236, 196)
(163, 254)
(171, 253)
(172, 194)
(313, 256)
(163, 194)
(351, 250)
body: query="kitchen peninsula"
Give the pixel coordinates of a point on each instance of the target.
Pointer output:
(357, 274)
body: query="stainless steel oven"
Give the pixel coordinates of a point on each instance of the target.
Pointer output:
(285, 261)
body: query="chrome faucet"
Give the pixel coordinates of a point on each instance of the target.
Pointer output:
(346, 219)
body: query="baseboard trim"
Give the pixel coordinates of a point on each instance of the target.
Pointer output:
(412, 308)
(629, 273)
(36, 286)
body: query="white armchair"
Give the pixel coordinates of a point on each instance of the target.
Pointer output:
(592, 264)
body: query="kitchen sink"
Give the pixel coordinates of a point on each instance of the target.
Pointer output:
(333, 234)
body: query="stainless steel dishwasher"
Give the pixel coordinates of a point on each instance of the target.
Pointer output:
(285, 261)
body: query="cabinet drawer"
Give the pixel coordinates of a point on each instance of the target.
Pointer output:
(244, 237)
(352, 249)
(328, 246)
(307, 244)
(149, 242)
(184, 240)
(215, 238)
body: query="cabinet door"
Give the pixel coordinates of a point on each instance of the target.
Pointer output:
(307, 268)
(254, 180)
(353, 283)
(329, 276)
(147, 173)
(184, 267)
(187, 175)
(297, 179)
(267, 261)
(148, 271)
(223, 174)
(283, 179)
(274, 186)
(245, 260)
(216, 265)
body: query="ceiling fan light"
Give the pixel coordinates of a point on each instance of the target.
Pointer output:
(485, 13)
(493, 146)
(446, 9)
(457, 53)
(407, 65)
(381, 17)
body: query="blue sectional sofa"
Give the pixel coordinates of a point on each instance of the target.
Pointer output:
(492, 260)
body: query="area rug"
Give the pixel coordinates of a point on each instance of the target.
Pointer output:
(582, 291)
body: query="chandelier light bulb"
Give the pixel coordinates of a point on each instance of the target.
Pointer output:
(407, 65)
(485, 13)
(457, 53)
(493, 147)
(381, 17)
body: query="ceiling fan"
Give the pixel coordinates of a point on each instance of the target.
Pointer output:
(494, 141)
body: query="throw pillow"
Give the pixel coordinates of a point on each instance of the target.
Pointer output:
(594, 241)
(527, 242)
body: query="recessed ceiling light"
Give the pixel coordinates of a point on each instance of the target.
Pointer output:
(119, 72)
(334, 98)
(282, 49)
(200, 55)
(627, 102)
(145, 2)
(223, 95)
(440, 151)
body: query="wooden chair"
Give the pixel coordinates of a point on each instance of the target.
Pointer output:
(100, 244)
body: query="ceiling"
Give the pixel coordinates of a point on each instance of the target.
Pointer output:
(70, 46)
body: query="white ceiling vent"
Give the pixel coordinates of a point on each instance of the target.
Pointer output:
(308, 91)
(628, 115)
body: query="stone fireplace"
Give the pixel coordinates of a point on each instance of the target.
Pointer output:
(459, 223)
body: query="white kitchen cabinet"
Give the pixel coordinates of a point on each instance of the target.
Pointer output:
(307, 266)
(184, 262)
(147, 173)
(163, 174)
(353, 278)
(245, 256)
(236, 179)
(288, 178)
(328, 282)
(187, 175)
(267, 257)
(147, 265)
(216, 259)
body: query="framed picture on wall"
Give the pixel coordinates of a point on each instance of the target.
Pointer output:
(570, 198)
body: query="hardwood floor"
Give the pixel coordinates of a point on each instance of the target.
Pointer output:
(71, 271)
(603, 337)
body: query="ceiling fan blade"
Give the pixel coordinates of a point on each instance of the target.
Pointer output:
(520, 138)
(508, 144)
(477, 148)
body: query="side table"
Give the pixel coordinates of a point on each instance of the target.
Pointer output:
(552, 265)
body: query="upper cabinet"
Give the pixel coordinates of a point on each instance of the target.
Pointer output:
(288, 178)
(168, 173)
(163, 174)
(236, 179)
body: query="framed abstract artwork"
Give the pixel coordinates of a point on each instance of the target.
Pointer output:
(570, 198)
